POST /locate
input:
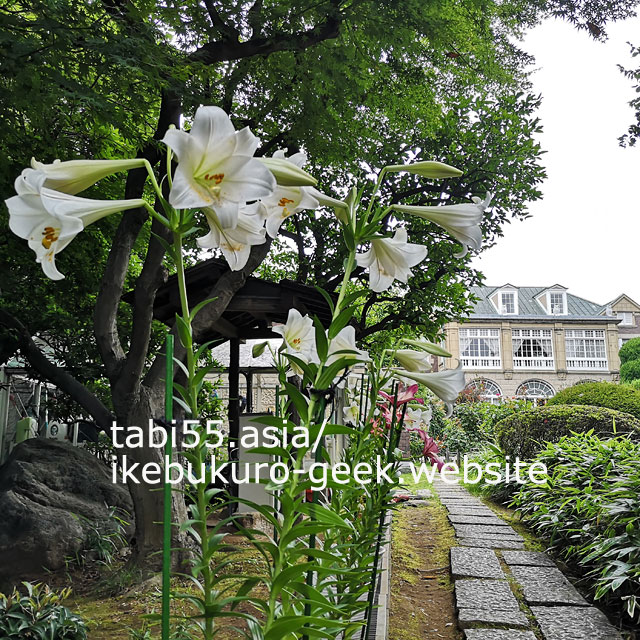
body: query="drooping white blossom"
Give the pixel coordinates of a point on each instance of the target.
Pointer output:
(391, 259)
(413, 360)
(445, 384)
(462, 221)
(216, 167)
(286, 201)
(49, 220)
(235, 243)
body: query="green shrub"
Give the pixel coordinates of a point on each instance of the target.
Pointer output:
(524, 433)
(39, 615)
(634, 384)
(630, 371)
(589, 509)
(600, 394)
(630, 350)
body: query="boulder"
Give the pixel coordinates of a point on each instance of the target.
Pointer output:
(47, 489)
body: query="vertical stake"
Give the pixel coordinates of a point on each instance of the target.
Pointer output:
(166, 523)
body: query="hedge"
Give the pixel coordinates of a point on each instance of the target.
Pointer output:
(601, 394)
(522, 434)
(630, 350)
(630, 371)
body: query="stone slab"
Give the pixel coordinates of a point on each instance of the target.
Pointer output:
(546, 585)
(496, 543)
(454, 502)
(424, 494)
(468, 562)
(464, 510)
(485, 530)
(569, 623)
(498, 634)
(527, 558)
(491, 595)
(468, 618)
(482, 520)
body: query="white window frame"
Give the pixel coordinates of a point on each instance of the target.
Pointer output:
(533, 362)
(508, 292)
(536, 398)
(581, 347)
(623, 316)
(480, 361)
(563, 294)
(493, 392)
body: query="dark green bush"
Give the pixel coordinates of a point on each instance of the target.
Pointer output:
(524, 433)
(630, 350)
(601, 394)
(630, 371)
(589, 510)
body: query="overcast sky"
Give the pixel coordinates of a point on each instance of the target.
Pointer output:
(585, 232)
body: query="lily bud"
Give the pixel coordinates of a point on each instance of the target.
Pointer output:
(288, 174)
(427, 346)
(427, 169)
(74, 176)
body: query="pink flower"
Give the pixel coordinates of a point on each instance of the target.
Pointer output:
(405, 394)
(430, 449)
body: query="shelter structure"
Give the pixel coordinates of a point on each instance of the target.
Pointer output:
(250, 315)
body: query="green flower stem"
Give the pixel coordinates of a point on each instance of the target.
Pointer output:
(192, 393)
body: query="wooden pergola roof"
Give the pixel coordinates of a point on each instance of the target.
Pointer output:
(253, 309)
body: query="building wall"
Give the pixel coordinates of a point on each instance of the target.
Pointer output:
(509, 378)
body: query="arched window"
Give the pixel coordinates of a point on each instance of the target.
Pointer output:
(584, 381)
(486, 390)
(538, 391)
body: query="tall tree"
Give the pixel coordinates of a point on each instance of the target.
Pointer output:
(357, 83)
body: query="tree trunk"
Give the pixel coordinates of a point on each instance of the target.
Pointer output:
(148, 498)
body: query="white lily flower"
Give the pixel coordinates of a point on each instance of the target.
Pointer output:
(74, 176)
(418, 417)
(216, 167)
(391, 259)
(285, 201)
(235, 243)
(299, 336)
(345, 341)
(462, 221)
(351, 414)
(413, 360)
(288, 174)
(445, 384)
(50, 220)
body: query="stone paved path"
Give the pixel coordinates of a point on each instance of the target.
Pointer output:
(488, 565)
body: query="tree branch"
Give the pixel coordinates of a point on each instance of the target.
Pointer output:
(224, 50)
(58, 376)
(106, 310)
(227, 31)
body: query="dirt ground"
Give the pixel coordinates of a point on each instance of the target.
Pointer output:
(422, 605)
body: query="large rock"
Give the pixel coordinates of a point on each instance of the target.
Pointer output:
(42, 485)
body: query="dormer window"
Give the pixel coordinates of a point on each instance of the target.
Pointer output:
(556, 300)
(508, 303)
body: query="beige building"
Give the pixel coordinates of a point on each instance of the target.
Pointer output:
(534, 341)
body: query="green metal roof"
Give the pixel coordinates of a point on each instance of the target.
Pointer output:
(528, 307)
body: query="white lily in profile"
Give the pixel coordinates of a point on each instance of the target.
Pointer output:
(285, 201)
(74, 176)
(462, 221)
(216, 167)
(418, 418)
(413, 360)
(445, 384)
(49, 220)
(351, 414)
(299, 337)
(235, 243)
(391, 259)
(344, 346)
